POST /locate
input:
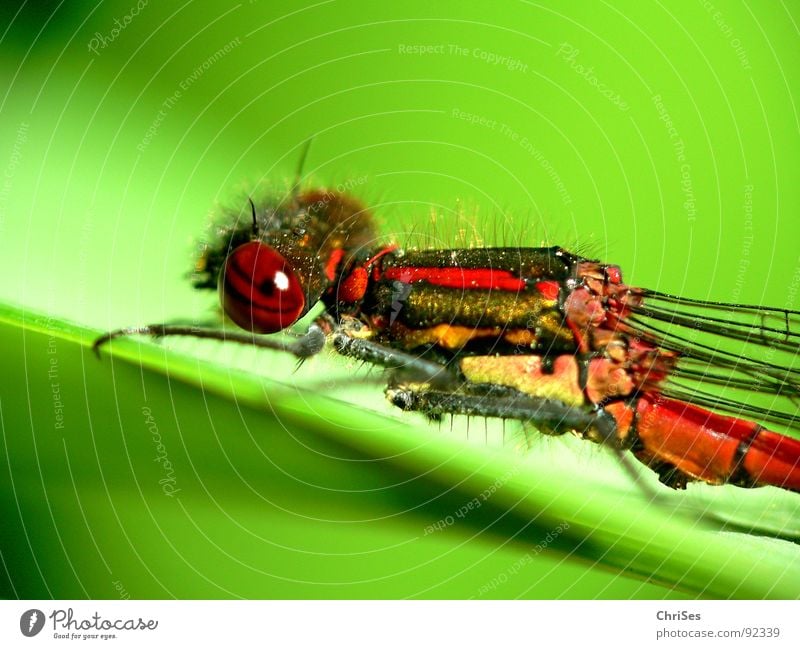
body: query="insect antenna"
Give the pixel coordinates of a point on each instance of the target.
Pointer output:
(301, 163)
(255, 222)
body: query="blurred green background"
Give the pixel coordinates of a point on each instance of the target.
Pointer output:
(661, 137)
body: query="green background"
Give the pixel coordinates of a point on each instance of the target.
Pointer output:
(114, 159)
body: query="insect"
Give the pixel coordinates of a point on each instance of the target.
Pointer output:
(534, 334)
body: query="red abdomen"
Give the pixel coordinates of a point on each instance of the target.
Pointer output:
(710, 447)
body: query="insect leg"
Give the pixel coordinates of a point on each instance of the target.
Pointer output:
(485, 400)
(411, 366)
(308, 344)
(551, 416)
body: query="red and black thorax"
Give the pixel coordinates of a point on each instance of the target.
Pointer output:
(482, 300)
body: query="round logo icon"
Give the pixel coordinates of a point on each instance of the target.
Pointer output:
(31, 622)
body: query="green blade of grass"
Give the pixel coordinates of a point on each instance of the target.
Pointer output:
(280, 489)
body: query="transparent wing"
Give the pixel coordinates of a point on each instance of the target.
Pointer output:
(737, 358)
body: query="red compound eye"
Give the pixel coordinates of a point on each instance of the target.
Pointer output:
(259, 289)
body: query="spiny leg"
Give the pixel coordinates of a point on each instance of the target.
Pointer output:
(302, 347)
(481, 400)
(410, 366)
(549, 415)
(437, 391)
(445, 392)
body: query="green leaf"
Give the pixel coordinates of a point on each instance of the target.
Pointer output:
(200, 469)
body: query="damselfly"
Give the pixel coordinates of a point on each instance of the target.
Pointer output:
(533, 334)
